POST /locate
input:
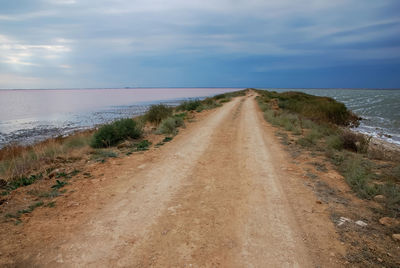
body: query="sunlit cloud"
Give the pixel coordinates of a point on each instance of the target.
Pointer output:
(14, 52)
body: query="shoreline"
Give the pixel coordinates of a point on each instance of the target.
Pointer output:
(388, 148)
(31, 136)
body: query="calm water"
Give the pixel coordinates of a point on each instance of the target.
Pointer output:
(27, 116)
(379, 108)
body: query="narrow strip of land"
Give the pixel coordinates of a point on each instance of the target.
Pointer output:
(219, 195)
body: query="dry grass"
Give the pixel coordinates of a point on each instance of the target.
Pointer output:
(19, 161)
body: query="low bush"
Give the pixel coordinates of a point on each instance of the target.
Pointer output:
(355, 142)
(157, 113)
(170, 125)
(111, 134)
(190, 105)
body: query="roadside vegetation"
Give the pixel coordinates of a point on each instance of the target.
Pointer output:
(321, 124)
(55, 161)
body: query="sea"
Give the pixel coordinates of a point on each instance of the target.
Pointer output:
(28, 116)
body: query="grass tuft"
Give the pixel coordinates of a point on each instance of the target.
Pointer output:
(357, 172)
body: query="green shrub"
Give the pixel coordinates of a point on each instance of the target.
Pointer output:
(157, 113)
(190, 105)
(355, 142)
(170, 125)
(111, 134)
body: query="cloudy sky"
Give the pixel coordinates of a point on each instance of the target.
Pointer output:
(199, 43)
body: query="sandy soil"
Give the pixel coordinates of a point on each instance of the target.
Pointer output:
(223, 193)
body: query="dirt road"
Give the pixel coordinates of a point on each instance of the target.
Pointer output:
(222, 194)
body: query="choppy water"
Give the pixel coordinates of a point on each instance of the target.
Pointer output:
(27, 116)
(379, 108)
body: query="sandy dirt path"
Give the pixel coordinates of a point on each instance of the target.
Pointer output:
(219, 195)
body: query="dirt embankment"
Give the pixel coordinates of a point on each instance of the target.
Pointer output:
(223, 193)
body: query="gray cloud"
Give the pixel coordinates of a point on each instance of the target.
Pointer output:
(55, 42)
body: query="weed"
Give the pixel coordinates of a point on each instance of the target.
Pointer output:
(357, 172)
(392, 201)
(59, 184)
(395, 172)
(53, 193)
(143, 145)
(74, 173)
(320, 166)
(23, 181)
(11, 216)
(30, 208)
(4, 193)
(310, 139)
(284, 136)
(102, 155)
(334, 142)
(159, 144)
(87, 175)
(51, 204)
(77, 141)
(61, 175)
(311, 175)
(157, 113)
(167, 139)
